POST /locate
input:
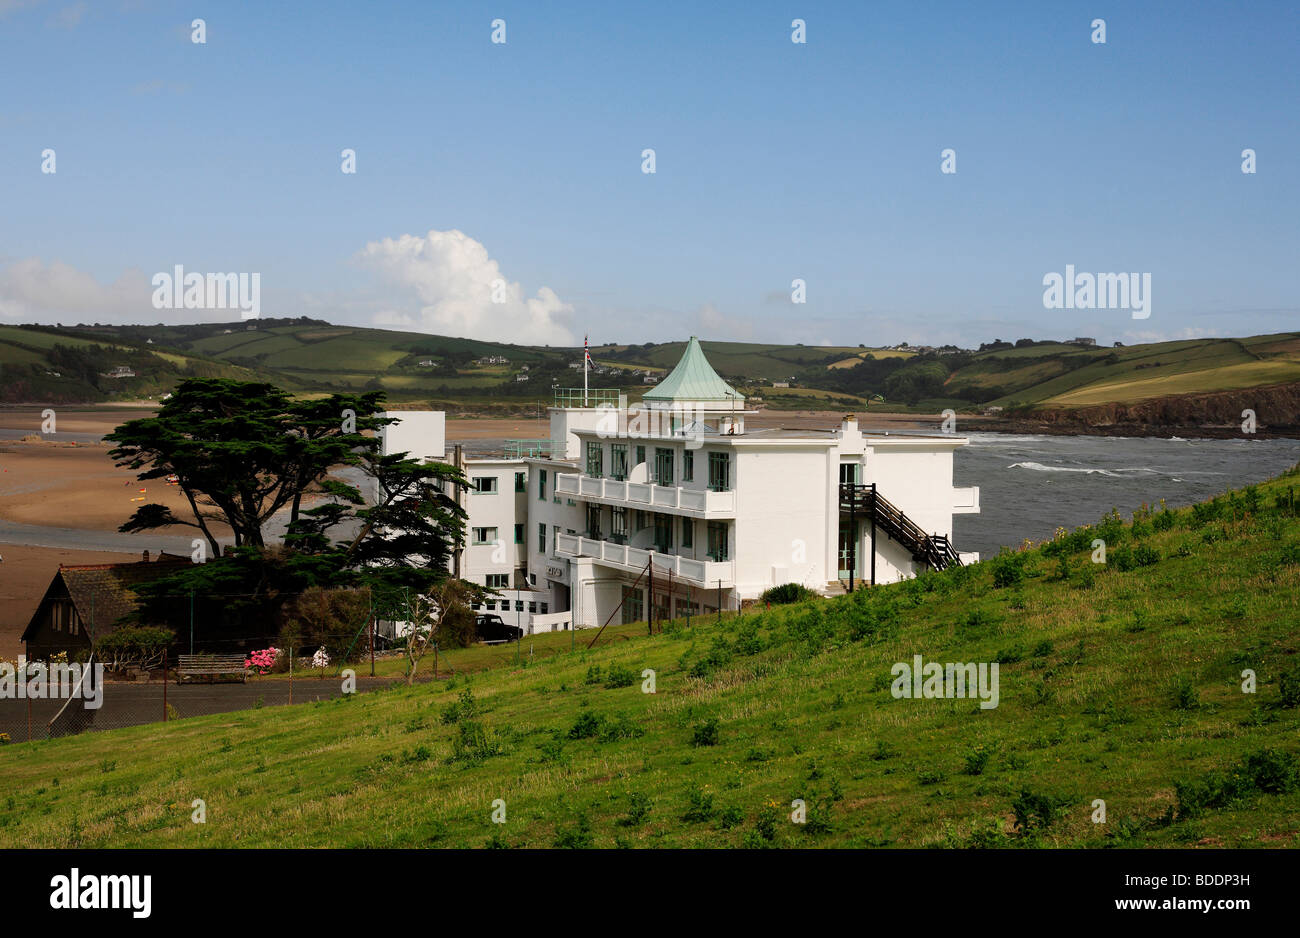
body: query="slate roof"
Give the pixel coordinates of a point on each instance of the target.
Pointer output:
(693, 380)
(104, 592)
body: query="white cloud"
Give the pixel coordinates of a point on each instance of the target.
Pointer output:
(32, 291)
(452, 277)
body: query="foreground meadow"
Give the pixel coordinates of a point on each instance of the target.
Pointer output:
(1120, 682)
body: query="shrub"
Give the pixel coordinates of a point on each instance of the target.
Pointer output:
(586, 726)
(465, 708)
(475, 743)
(706, 733)
(1037, 811)
(141, 646)
(1288, 686)
(699, 805)
(593, 675)
(638, 809)
(577, 837)
(619, 676)
(977, 760)
(1270, 771)
(786, 593)
(1008, 568)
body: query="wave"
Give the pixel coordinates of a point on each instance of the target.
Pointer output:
(1114, 473)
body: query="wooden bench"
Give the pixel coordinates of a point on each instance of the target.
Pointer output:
(212, 667)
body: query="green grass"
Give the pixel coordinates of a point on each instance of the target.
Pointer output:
(1119, 682)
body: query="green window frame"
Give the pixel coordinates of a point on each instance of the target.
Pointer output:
(688, 534)
(521, 482)
(541, 485)
(519, 534)
(717, 546)
(719, 472)
(541, 538)
(618, 461)
(595, 460)
(688, 466)
(663, 466)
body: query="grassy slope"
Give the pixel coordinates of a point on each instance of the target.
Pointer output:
(1090, 708)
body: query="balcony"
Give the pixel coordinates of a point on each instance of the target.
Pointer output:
(966, 501)
(701, 573)
(647, 495)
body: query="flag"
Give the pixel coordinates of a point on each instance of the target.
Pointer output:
(586, 355)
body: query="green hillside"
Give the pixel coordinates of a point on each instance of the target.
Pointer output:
(312, 356)
(1121, 682)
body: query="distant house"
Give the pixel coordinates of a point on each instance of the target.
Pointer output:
(1083, 340)
(119, 371)
(492, 360)
(780, 384)
(575, 364)
(991, 411)
(650, 379)
(85, 601)
(521, 377)
(426, 363)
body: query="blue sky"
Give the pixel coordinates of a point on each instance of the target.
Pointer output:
(774, 161)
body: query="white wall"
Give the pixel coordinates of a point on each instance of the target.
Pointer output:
(422, 433)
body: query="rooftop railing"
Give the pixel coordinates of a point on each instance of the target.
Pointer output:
(535, 449)
(592, 397)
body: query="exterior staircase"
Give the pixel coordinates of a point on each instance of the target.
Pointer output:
(863, 501)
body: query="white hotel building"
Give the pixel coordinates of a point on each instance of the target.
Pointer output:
(673, 507)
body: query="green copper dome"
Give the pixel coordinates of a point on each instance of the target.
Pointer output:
(693, 380)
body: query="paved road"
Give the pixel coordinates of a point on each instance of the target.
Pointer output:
(134, 704)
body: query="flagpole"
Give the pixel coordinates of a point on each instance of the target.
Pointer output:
(586, 357)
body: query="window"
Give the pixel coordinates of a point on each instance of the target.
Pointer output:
(541, 538)
(618, 461)
(490, 606)
(546, 607)
(555, 539)
(640, 455)
(663, 533)
(485, 484)
(688, 534)
(532, 579)
(595, 460)
(521, 482)
(519, 605)
(719, 472)
(593, 521)
(618, 525)
(484, 535)
(850, 473)
(688, 466)
(519, 534)
(499, 581)
(532, 608)
(541, 485)
(633, 605)
(718, 540)
(56, 617)
(639, 520)
(663, 466)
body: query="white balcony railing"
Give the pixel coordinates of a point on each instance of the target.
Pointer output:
(704, 573)
(647, 495)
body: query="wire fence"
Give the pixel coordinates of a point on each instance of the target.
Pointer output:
(42, 707)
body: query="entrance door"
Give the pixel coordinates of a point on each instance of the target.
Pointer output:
(847, 538)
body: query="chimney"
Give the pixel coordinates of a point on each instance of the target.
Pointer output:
(850, 423)
(146, 555)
